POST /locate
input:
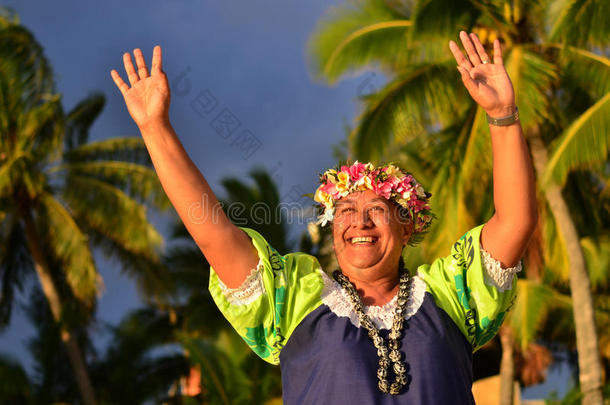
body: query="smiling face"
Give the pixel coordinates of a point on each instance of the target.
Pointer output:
(368, 236)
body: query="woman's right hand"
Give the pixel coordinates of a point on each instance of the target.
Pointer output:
(148, 97)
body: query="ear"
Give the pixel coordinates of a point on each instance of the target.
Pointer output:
(408, 231)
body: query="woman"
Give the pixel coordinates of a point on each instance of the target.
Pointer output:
(371, 333)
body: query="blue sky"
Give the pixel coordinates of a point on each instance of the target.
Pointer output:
(247, 57)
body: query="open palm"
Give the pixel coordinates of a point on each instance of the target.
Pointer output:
(488, 83)
(148, 97)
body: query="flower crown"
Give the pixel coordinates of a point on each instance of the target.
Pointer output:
(387, 181)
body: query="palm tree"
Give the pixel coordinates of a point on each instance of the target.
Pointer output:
(138, 354)
(562, 89)
(143, 353)
(59, 194)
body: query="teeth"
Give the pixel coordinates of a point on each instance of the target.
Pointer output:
(363, 239)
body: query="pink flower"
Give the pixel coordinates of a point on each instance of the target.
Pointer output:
(329, 188)
(394, 181)
(405, 188)
(355, 171)
(418, 205)
(383, 188)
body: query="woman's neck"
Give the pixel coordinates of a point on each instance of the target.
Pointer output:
(378, 292)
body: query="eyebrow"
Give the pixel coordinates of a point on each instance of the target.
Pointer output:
(350, 202)
(344, 202)
(378, 199)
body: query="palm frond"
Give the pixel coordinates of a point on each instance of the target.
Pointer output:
(445, 17)
(477, 160)
(11, 173)
(223, 380)
(597, 256)
(531, 76)
(533, 303)
(131, 149)
(69, 246)
(258, 207)
(584, 144)
(80, 119)
(140, 330)
(119, 226)
(8, 16)
(585, 69)
(404, 109)
(352, 35)
(26, 86)
(580, 22)
(448, 202)
(555, 252)
(15, 386)
(30, 123)
(112, 212)
(22, 59)
(135, 179)
(15, 265)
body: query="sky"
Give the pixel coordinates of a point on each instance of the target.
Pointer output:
(244, 61)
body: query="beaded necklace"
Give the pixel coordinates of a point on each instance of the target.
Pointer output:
(386, 356)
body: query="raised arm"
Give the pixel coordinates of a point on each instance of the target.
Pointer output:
(227, 248)
(506, 235)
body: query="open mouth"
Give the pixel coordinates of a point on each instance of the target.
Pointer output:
(363, 240)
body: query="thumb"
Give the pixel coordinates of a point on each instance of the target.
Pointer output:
(471, 86)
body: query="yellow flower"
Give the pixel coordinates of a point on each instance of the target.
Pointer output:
(394, 171)
(323, 198)
(364, 183)
(330, 175)
(343, 185)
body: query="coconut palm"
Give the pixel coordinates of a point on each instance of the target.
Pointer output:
(562, 89)
(143, 361)
(138, 366)
(61, 195)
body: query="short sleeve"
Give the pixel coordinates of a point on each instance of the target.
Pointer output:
(273, 299)
(472, 287)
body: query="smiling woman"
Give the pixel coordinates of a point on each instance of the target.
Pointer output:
(374, 332)
(327, 332)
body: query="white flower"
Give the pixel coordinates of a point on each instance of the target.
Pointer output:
(325, 218)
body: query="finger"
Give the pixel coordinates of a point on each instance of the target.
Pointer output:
(469, 47)
(479, 47)
(123, 87)
(131, 72)
(459, 56)
(142, 69)
(156, 60)
(498, 53)
(471, 86)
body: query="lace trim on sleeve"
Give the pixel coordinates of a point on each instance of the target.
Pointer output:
(249, 290)
(495, 275)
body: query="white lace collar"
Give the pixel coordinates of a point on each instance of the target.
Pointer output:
(338, 301)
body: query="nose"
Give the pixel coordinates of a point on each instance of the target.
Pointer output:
(362, 219)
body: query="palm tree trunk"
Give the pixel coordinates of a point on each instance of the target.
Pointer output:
(587, 345)
(507, 367)
(52, 296)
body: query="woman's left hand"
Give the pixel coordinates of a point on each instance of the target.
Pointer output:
(486, 81)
